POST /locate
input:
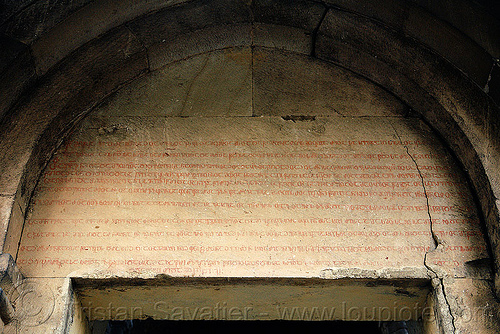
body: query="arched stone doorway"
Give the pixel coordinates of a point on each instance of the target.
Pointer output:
(313, 37)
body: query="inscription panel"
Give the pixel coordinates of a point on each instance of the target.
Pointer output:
(244, 196)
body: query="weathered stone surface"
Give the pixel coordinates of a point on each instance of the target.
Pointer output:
(437, 77)
(94, 20)
(198, 42)
(424, 90)
(212, 84)
(461, 13)
(272, 36)
(282, 87)
(450, 43)
(42, 306)
(167, 25)
(6, 203)
(442, 316)
(34, 20)
(72, 89)
(439, 35)
(390, 12)
(196, 27)
(472, 304)
(458, 233)
(335, 49)
(104, 211)
(305, 15)
(414, 64)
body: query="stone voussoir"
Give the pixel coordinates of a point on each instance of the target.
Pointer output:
(71, 89)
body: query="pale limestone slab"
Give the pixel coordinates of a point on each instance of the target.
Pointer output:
(244, 197)
(456, 224)
(41, 306)
(472, 305)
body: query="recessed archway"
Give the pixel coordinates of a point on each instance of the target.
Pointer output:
(422, 80)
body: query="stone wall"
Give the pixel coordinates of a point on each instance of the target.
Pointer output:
(441, 67)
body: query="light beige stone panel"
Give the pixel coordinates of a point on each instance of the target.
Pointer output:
(455, 224)
(41, 306)
(472, 304)
(254, 197)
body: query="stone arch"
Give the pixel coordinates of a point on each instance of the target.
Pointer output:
(392, 48)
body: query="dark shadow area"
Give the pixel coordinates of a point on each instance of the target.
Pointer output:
(150, 326)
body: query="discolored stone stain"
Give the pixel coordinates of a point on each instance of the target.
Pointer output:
(242, 57)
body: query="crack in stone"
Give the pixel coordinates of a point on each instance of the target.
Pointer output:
(191, 84)
(438, 286)
(314, 33)
(447, 304)
(141, 42)
(435, 238)
(496, 62)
